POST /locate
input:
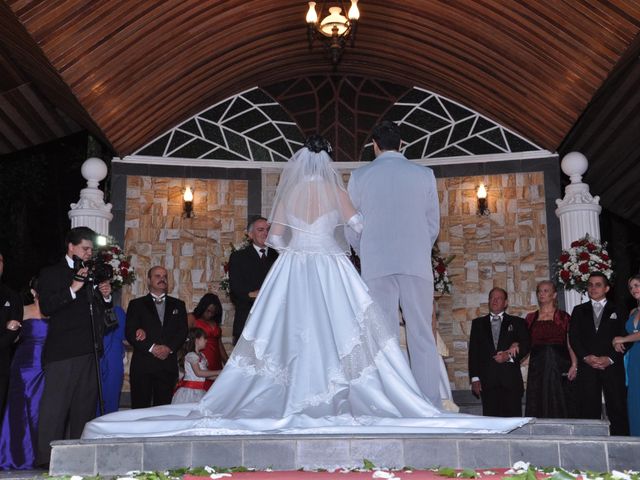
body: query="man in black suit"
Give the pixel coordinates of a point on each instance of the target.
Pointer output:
(248, 268)
(593, 326)
(10, 318)
(497, 344)
(70, 392)
(156, 328)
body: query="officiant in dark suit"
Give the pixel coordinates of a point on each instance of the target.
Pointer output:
(248, 267)
(497, 344)
(593, 326)
(156, 328)
(10, 318)
(70, 392)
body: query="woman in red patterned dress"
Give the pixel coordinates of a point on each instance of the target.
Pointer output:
(208, 315)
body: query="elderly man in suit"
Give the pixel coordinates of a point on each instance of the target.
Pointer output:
(70, 392)
(497, 343)
(398, 200)
(248, 267)
(156, 327)
(594, 324)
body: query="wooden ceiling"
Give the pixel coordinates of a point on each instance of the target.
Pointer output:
(129, 70)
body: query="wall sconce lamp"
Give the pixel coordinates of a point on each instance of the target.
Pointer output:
(483, 204)
(188, 203)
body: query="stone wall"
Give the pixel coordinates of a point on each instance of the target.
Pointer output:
(508, 248)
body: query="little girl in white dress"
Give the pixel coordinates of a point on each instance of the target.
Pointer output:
(192, 387)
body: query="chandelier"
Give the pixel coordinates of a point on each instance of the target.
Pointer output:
(334, 30)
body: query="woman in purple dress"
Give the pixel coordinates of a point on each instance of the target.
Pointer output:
(26, 381)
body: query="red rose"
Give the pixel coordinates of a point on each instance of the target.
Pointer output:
(583, 267)
(124, 272)
(226, 268)
(441, 269)
(564, 258)
(604, 257)
(603, 266)
(575, 244)
(591, 247)
(565, 275)
(584, 256)
(107, 257)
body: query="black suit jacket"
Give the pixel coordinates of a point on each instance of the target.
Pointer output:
(172, 332)
(69, 333)
(10, 309)
(246, 274)
(481, 352)
(585, 340)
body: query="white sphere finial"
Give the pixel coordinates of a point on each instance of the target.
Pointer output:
(94, 170)
(574, 164)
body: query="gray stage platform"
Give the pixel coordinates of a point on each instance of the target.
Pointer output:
(566, 443)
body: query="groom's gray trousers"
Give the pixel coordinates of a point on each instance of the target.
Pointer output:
(414, 295)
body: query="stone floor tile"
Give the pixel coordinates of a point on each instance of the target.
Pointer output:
(216, 453)
(423, 453)
(276, 454)
(73, 459)
(112, 459)
(583, 455)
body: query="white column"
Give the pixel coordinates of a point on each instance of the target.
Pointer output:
(91, 211)
(578, 212)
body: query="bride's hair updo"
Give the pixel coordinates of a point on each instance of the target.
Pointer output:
(317, 143)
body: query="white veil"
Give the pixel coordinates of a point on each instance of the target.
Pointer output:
(312, 200)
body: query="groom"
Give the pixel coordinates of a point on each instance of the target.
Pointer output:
(398, 200)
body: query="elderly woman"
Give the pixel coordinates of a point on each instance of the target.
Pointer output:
(552, 361)
(632, 358)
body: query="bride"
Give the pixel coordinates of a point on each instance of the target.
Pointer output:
(315, 355)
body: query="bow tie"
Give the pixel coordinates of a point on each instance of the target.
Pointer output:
(159, 299)
(496, 318)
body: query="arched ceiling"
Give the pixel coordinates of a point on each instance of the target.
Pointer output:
(129, 70)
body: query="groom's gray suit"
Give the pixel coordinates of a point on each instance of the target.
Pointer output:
(399, 203)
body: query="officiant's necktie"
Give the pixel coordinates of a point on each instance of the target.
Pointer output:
(263, 254)
(496, 321)
(597, 314)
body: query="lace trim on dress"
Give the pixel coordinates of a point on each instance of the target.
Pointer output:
(355, 366)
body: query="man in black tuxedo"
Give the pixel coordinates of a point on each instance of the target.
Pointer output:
(70, 392)
(497, 344)
(248, 268)
(10, 318)
(156, 328)
(593, 326)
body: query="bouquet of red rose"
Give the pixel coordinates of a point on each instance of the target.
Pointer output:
(441, 281)
(123, 273)
(586, 256)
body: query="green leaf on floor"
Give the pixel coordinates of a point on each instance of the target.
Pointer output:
(446, 472)
(368, 464)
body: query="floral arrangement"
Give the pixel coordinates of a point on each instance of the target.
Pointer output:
(112, 254)
(586, 256)
(441, 281)
(224, 281)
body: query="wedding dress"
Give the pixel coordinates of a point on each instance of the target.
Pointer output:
(315, 355)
